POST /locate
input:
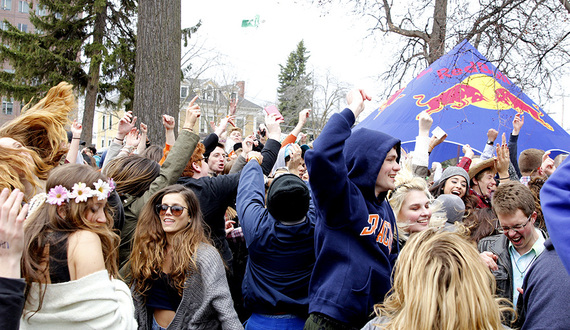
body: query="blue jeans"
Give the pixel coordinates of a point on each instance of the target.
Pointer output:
(155, 325)
(274, 322)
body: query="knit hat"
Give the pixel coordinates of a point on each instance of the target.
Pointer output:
(288, 198)
(453, 206)
(453, 171)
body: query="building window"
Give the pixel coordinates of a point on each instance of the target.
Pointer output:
(4, 25)
(109, 142)
(240, 122)
(57, 15)
(23, 7)
(103, 123)
(7, 106)
(110, 121)
(6, 4)
(183, 92)
(102, 143)
(23, 27)
(41, 11)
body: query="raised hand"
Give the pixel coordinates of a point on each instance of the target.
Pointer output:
(12, 217)
(518, 123)
(355, 99)
(126, 124)
(272, 122)
(192, 114)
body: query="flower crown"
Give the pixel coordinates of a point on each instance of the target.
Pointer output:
(80, 192)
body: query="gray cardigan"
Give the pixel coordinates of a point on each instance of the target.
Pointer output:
(206, 301)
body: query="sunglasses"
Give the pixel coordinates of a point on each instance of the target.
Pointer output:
(176, 210)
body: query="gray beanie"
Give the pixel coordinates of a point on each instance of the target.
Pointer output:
(453, 171)
(453, 206)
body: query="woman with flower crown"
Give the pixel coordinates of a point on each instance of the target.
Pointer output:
(70, 257)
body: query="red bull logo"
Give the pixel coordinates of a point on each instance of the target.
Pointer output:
(391, 100)
(481, 91)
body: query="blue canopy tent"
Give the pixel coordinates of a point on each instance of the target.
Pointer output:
(466, 96)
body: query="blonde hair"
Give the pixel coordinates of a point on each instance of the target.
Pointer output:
(15, 166)
(441, 283)
(406, 182)
(41, 128)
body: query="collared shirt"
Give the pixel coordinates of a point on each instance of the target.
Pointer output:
(521, 264)
(525, 180)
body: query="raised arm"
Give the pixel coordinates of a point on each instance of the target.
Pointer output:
(125, 125)
(143, 136)
(490, 145)
(76, 130)
(518, 123)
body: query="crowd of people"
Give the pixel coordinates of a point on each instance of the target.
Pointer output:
(233, 231)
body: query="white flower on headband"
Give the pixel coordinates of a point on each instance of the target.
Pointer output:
(102, 189)
(81, 192)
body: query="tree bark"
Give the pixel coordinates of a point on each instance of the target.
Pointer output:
(438, 32)
(94, 73)
(157, 78)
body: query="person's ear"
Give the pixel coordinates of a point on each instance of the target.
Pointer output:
(196, 167)
(62, 210)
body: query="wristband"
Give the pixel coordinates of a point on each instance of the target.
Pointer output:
(119, 139)
(188, 128)
(254, 157)
(75, 138)
(508, 177)
(490, 143)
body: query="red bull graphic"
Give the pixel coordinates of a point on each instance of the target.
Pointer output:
(466, 95)
(458, 96)
(481, 91)
(391, 100)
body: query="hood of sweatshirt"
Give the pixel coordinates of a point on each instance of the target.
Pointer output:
(364, 153)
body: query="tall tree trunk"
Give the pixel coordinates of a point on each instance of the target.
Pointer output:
(96, 57)
(437, 38)
(157, 78)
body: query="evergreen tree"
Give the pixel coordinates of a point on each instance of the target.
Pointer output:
(294, 85)
(69, 44)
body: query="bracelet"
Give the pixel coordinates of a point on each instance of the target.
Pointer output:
(188, 128)
(254, 157)
(508, 177)
(119, 139)
(75, 138)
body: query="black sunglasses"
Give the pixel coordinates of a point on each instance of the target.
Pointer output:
(176, 210)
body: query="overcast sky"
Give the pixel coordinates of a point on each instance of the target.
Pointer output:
(336, 41)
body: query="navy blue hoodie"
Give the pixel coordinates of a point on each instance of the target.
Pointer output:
(354, 232)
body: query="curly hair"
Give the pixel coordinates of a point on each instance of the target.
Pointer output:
(150, 244)
(440, 283)
(41, 128)
(47, 220)
(197, 157)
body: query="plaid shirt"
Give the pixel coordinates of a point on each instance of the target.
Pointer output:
(525, 179)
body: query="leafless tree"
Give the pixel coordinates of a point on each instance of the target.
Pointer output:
(327, 94)
(528, 40)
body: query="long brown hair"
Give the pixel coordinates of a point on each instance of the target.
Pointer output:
(46, 221)
(133, 174)
(150, 245)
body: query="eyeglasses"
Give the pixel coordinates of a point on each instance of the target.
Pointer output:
(516, 228)
(176, 210)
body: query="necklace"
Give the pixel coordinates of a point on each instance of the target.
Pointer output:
(526, 268)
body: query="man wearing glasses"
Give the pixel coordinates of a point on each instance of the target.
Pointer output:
(510, 254)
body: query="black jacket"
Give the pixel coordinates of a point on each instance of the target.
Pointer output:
(11, 302)
(217, 193)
